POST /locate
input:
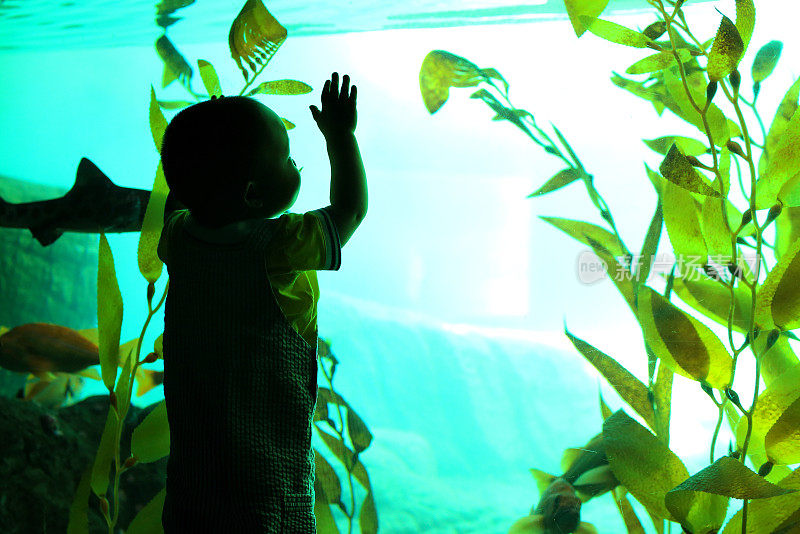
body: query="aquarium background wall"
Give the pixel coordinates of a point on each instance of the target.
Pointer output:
(448, 313)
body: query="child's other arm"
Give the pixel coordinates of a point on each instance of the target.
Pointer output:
(337, 122)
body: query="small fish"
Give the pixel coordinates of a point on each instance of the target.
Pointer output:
(41, 348)
(93, 205)
(586, 475)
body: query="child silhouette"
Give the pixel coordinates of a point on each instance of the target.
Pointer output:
(240, 336)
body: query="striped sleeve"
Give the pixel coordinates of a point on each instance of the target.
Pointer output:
(304, 242)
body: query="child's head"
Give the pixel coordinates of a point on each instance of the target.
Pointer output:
(227, 159)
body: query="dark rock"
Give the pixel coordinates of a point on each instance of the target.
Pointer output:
(43, 454)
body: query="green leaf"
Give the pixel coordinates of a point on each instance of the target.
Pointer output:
(766, 59)
(658, 62)
(782, 164)
(175, 66)
(105, 454)
(150, 264)
(686, 145)
(650, 246)
(124, 383)
(359, 434)
(109, 314)
(605, 411)
(174, 104)
(348, 458)
(641, 463)
(628, 386)
(714, 227)
(725, 478)
(148, 520)
(764, 516)
(255, 36)
(682, 217)
(783, 438)
(745, 20)
(677, 169)
(778, 301)
(79, 510)
(561, 179)
(442, 70)
(583, 231)
(662, 393)
(281, 87)
(368, 516)
(726, 52)
(697, 84)
(326, 524)
(209, 76)
(158, 124)
(150, 440)
(577, 8)
(771, 404)
(289, 125)
(493, 74)
(781, 120)
(689, 347)
(712, 299)
(613, 32)
(632, 523)
(327, 479)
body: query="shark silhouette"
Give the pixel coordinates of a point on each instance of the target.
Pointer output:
(93, 205)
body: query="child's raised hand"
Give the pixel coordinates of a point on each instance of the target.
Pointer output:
(338, 115)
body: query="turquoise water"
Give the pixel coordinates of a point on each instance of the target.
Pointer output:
(447, 315)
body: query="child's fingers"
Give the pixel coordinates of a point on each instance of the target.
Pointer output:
(345, 92)
(335, 84)
(314, 113)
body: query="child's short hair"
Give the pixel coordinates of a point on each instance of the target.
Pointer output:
(209, 152)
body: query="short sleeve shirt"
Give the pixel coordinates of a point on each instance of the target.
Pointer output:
(301, 244)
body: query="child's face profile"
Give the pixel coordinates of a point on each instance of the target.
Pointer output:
(274, 190)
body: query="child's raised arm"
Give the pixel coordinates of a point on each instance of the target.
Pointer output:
(337, 122)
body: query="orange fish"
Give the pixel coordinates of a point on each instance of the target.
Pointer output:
(41, 348)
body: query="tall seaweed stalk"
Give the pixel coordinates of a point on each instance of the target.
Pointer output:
(703, 224)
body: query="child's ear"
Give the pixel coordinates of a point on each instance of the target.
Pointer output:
(251, 196)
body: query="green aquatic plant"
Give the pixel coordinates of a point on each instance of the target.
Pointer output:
(254, 38)
(759, 304)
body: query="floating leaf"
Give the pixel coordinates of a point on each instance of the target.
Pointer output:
(778, 301)
(327, 478)
(322, 511)
(657, 62)
(493, 74)
(346, 456)
(150, 440)
(289, 125)
(174, 104)
(783, 438)
(150, 264)
(148, 520)
(777, 360)
(650, 245)
(209, 76)
(359, 434)
(255, 36)
(124, 383)
(641, 463)
(697, 84)
(765, 516)
(725, 478)
(771, 404)
(662, 393)
(281, 87)
(105, 454)
(109, 314)
(561, 179)
(175, 66)
(745, 20)
(766, 59)
(79, 510)
(726, 52)
(677, 169)
(368, 516)
(682, 217)
(714, 227)
(611, 31)
(689, 347)
(686, 145)
(628, 386)
(632, 523)
(577, 8)
(781, 120)
(712, 299)
(442, 70)
(158, 124)
(605, 411)
(583, 231)
(782, 164)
